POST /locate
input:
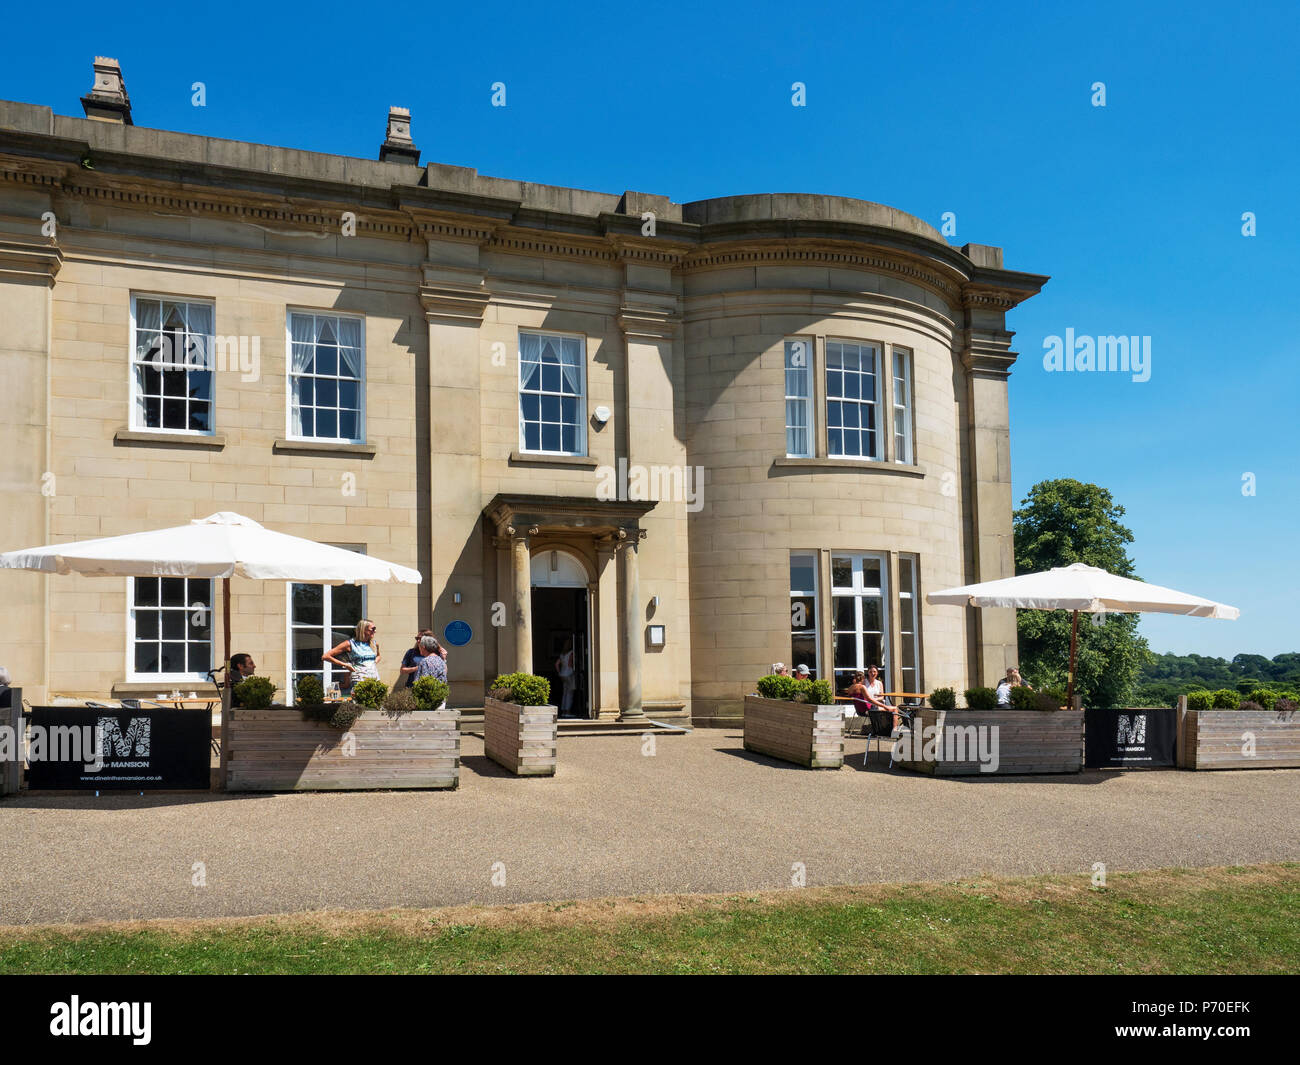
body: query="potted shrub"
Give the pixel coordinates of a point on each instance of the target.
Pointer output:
(253, 693)
(943, 699)
(520, 727)
(1222, 731)
(985, 739)
(343, 745)
(795, 720)
(429, 693)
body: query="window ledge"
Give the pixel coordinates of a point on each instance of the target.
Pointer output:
(128, 437)
(529, 458)
(828, 464)
(323, 447)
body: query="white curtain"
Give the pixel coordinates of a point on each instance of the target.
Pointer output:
(530, 357)
(569, 355)
(302, 331)
(350, 347)
(200, 339)
(148, 317)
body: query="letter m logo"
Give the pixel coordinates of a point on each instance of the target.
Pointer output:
(133, 742)
(1132, 729)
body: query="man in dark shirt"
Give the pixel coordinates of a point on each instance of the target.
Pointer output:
(411, 660)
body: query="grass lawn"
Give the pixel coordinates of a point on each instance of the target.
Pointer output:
(1228, 920)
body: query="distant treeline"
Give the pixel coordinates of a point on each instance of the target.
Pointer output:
(1165, 677)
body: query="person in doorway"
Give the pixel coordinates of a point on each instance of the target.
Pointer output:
(802, 672)
(357, 657)
(564, 668)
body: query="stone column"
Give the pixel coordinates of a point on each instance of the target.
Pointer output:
(521, 593)
(987, 358)
(28, 491)
(605, 638)
(629, 629)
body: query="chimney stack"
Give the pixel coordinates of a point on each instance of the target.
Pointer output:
(107, 100)
(398, 146)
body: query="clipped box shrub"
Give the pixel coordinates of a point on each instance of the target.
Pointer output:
(1226, 699)
(814, 691)
(428, 693)
(943, 699)
(774, 686)
(254, 693)
(309, 689)
(524, 689)
(1052, 699)
(369, 694)
(795, 690)
(1024, 699)
(401, 701)
(981, 699)
(1200, 700)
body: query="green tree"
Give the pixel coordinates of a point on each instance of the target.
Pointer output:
(1058, 524)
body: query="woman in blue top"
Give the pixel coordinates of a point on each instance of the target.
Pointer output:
(357, 657)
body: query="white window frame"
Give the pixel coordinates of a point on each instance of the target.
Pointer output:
(134, 677)
(905, 408)
(909, 610)
(132, 419)
(327, 669)
(289, 378)
(814, 557)
(858, 590)
(581, 439)
(806, 400)
(874, 402)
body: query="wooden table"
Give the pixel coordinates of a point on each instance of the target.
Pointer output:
(205, 701)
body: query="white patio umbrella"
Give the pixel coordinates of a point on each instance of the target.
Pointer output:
(1084, 589)
(221, 545)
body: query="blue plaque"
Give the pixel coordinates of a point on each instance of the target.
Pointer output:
(458, 633)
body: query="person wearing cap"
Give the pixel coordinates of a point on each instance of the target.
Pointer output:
(801, 671)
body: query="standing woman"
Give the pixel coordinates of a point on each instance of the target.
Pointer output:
(564, 667)
(359, 656)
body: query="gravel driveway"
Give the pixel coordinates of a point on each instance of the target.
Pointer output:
(701, 814)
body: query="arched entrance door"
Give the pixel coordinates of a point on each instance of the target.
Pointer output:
(560, 622)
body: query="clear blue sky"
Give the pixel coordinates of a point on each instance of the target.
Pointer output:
(983, 110)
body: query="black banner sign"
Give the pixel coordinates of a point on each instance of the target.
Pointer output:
(84, 748)
(1129, 739)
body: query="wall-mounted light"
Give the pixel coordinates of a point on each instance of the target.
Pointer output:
(654, 602)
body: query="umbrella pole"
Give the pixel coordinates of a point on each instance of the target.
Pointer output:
(225, 623)
(1074, 641)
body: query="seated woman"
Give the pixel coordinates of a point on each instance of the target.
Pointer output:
(1011, 680)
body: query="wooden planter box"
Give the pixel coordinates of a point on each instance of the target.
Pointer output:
(276, 750)
(1214, 739)
(521, 738)
(1028, 741)
(805, 733)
